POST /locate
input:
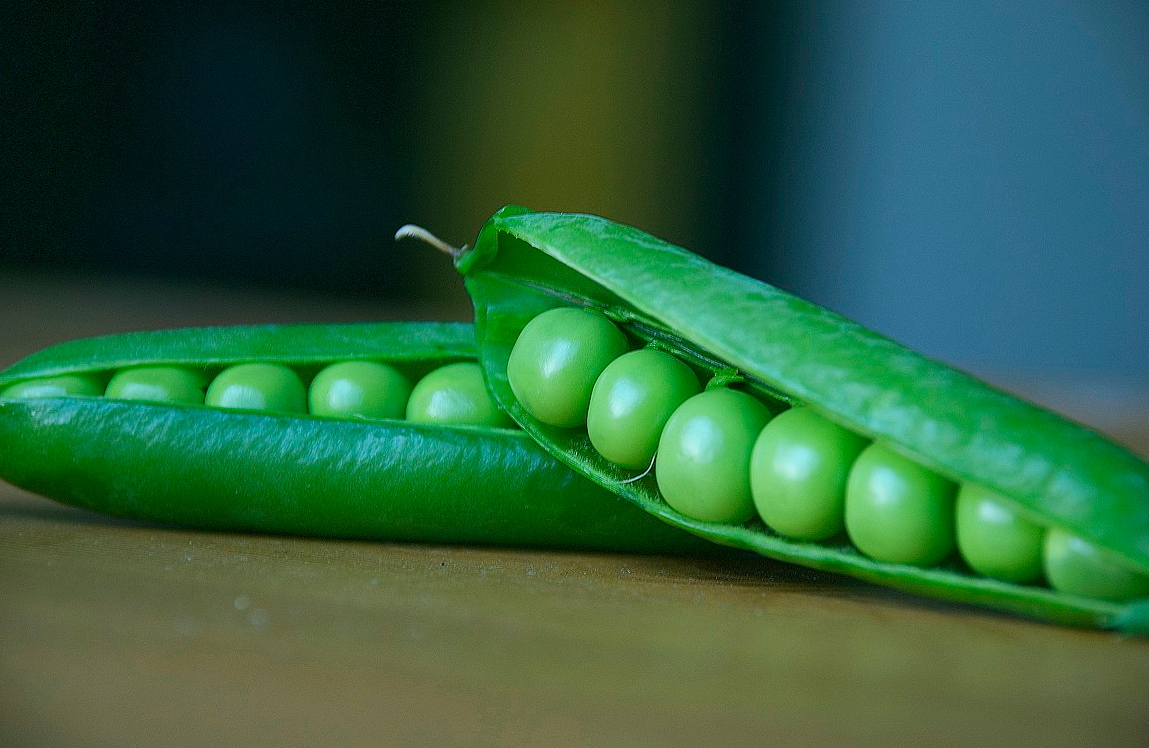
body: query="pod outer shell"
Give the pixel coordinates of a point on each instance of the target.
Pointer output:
(251, 472)
(298, 346)
(1053, 471)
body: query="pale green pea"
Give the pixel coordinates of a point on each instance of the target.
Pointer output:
(1078, 567)
(455, 395)
(556, 360)
(64, 385)
(897, 510)
(703, 462)
(798, 473)
(993, 539)
(258, 387)
(158, 384)
(631, 402)
(359, 389)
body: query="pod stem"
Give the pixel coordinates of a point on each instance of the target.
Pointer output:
(411, 231)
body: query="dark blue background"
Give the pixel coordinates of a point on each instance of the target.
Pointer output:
(971, 178)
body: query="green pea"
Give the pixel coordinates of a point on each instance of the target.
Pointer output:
(1078, 567)
(897, 510)
(359, 389)
(159, 384)
(993, 539)
(258, 387)
(455, 395)
(631, 402)
(556, 360)
(798, 473)
(64, 385)
(703, 464)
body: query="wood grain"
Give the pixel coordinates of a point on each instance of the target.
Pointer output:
(119, 634)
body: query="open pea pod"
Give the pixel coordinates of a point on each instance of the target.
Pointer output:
(233, 470)
(789, 351)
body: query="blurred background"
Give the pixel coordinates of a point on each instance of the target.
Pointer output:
(969, 178)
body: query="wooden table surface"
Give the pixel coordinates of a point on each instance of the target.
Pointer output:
(120, 634)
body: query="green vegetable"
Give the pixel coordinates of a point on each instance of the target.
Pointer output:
(631, 403)
(258, 386)
(798, 473)
(359, 389)
(1076, 566)
(158, 384)
(556, 360)
(57, 386)
(789, 352)
(238, 470)
(897, 510)
(994, 540)
(455, 395)
(704, 455)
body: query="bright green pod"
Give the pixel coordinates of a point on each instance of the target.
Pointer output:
(294, 473)
(791, 352)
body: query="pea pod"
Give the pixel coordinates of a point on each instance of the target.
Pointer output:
(231, 470)
(789, 351)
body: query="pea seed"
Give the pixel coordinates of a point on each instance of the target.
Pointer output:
(897, 510)
(258, 387)
(1078, 567)
(798, 473)
(59, 386)
(703, 463)
(359, 389)
(455, 395)
(556, 360)
(994, 540)
(160, 384)
(631, 402)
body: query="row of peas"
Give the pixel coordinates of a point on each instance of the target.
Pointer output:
(449, 395)
(724, 455)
